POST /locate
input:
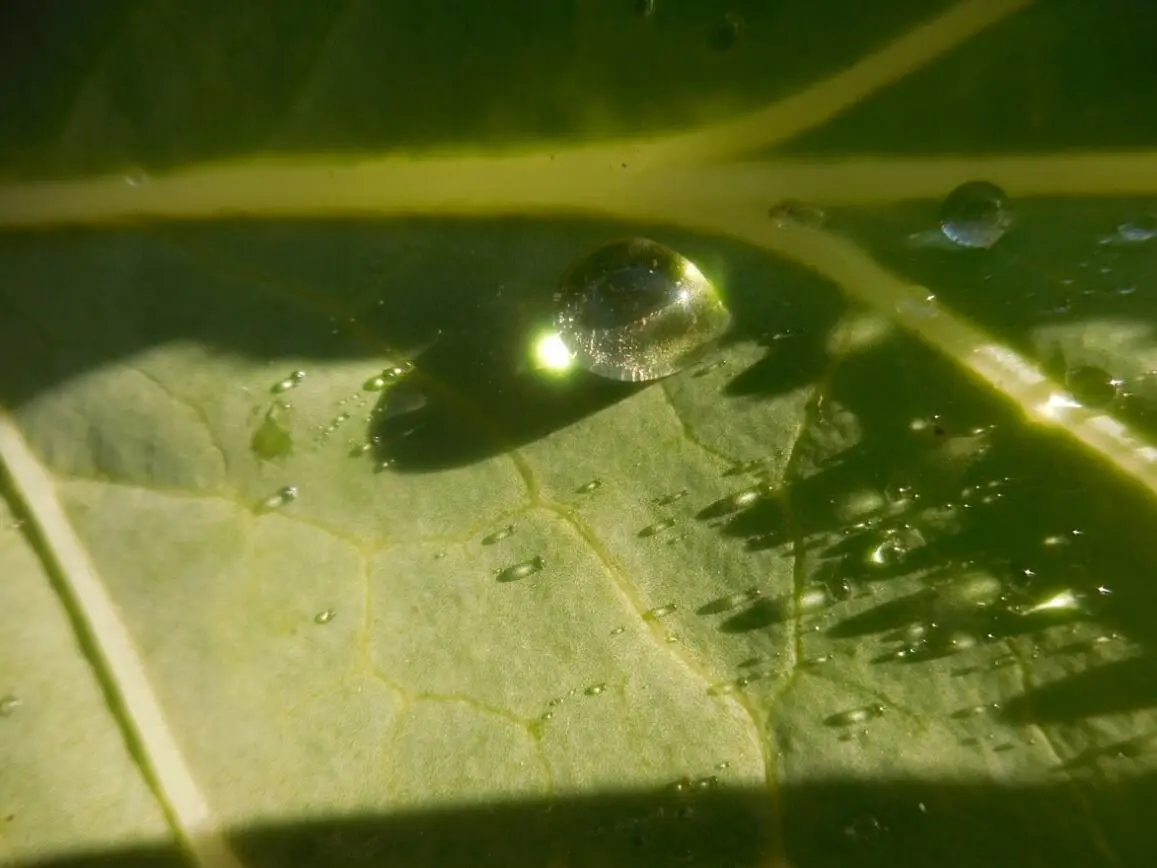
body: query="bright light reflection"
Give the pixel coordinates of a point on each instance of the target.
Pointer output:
(551, 354)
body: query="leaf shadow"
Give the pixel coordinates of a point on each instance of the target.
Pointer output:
(990, 529)
(840, 822)
(461, 300)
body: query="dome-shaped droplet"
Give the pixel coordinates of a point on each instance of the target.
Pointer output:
(637, 310)
(975, 214)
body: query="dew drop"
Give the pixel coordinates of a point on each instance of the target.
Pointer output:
(374, 384)
(726, 33)
(359, 449)
(272, 439)
(657, 528)
(659, 612)
(1135, 231)
(595, 689)
(794, 213)
(618, 631)
(522, 570)
(854, 716)
(813, 599)
(723, 764)
(668, 499)
(498, 535)
(278, 499)
(741, 468)
(975, 214)
(290, 382)
(324, 617)
(636, 310)
(588, 487)
(1091, 386)
(9, 704)
(383, 464)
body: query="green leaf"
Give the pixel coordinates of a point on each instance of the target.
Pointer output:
(396, 598)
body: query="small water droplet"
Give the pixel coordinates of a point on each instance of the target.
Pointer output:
(659, 612)
(439, 555)
(723, 764)
(1135, 231)
(726, 33)
(324, 617)
(741, 468)
(794, 213)
(272, 439)
(278, 499)
(618, 631)
(657, 528)
(291, 382)
(854, 716)
(706, 783)
(813, 599)
(975, 214)
(668, 499)
(374, 384)
(522, 570)
(636, 310)
(498, 535)
(9, 704)
(588, 487)
(359, 449)
(384, 464)
(595, 689)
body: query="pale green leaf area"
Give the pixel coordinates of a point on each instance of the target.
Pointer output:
(402, 599)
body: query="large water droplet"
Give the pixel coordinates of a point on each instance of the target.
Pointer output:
(1092, 386)
(975, 214)
(636, 310)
